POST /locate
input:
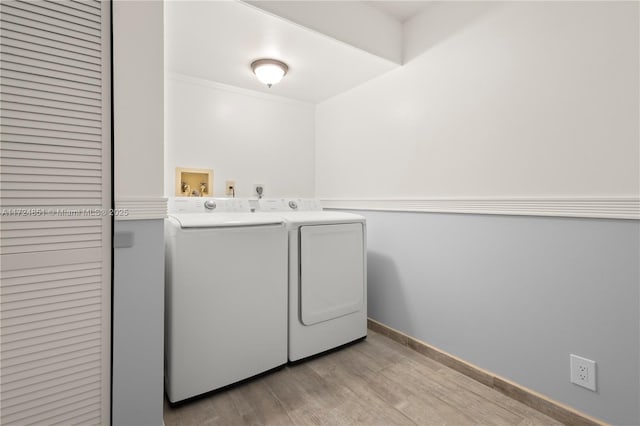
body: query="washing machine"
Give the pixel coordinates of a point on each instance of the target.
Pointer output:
(327, 275)
(225, 294)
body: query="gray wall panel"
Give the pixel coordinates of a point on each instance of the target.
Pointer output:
(138, 323)
(516, 295)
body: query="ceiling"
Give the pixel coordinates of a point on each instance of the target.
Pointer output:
(218, 40)
(399, 10)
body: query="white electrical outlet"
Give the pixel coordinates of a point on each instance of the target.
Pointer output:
(583, 372)
(258, 190)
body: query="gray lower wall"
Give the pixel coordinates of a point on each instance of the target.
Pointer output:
(516, 295)
(138, 324)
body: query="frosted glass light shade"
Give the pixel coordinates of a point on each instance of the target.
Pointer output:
(269, 71)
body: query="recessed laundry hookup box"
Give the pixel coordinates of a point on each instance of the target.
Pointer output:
(194, 182)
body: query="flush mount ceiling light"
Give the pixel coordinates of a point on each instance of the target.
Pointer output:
(269, 71)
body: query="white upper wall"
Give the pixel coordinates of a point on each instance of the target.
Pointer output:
(497, 99)
(355, 23)
(138, 98)
(242, 135)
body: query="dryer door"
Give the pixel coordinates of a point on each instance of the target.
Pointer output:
(331, 271)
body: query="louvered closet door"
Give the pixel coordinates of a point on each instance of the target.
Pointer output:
(55, 229)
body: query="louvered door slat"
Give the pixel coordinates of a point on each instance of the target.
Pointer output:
(72, 365)
(73, 285)
(72, 13)
(53, 112)
(40, 126)
(36, 326)
(51, 155)
(49, 111)
(36, 96)
(45, 39)
(45, 60)
(14, 85)
(60, 107)
(79, 370)
(51, 142)
(79, 190)
(34, 405)
(18, 27)
(11, 322)
(45, 415)
(87, 23)
(27, 346)
(56, 222)
(73, 393)
(39, 70)
(48, 307)
(83, 6)
(10, 178)
(53, 52)
(60, 297)
(67, 193)
(38, 175)
(54, 240)
(54, 231)
(89, 406)
(53, 362)
(54, 149)
(50, 119)
(90, 418)
(14, 78)
(9, 159)
(75, 207)
(12, 19)
(36, 14)
(76, 189)
(82, 265)
(44, 247)
(50, 123)
(30, 282)
(26, 397)
(35, 335)
(87, 91)
(36, 287)
(20, 354)
(40, 65)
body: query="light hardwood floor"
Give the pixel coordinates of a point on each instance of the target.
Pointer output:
(374, 382)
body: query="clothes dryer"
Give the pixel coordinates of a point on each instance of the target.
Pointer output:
(327, 275)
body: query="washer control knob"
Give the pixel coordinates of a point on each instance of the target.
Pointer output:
(209, 205)
(293, 205)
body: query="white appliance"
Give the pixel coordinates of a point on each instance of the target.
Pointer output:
(225, 294)
(327, 275)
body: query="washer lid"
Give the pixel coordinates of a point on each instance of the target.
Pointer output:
(221, 220)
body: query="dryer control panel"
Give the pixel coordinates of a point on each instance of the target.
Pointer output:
(288, 204)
